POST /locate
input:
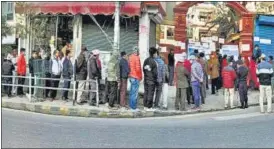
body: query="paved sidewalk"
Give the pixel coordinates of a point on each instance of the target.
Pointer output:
(58, 107)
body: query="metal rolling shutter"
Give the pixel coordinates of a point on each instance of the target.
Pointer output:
(152, 34)
(93, 38)
(264, 29)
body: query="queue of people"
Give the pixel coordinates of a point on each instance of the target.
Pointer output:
(188, 74)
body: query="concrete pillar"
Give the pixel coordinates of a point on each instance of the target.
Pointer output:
(144, 25)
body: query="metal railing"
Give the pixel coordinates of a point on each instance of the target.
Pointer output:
(73, 81)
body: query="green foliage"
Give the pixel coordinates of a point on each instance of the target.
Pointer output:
(226, 20)
(5, 28)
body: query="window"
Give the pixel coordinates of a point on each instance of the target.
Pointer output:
(10, 11)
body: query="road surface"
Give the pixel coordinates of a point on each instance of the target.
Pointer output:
(236, 128)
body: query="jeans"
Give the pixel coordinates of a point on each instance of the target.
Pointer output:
(67, 86)
(21, 81)
(133, 94)
(171, 75)
(243, 93)
(196, 88)
(159, 89)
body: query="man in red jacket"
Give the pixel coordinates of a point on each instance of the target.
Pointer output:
(229, 76)
(21, 71)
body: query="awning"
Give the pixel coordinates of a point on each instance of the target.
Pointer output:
(94, 8)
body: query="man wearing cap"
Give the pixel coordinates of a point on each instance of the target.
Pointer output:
(113, 79)
(197, 77)
(93, 74)
(135, 76)
(265, 73)
(242, 73)
(7, 68)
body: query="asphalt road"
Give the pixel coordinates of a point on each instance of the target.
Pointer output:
(237, 128)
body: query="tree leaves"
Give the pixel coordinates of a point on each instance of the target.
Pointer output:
(5, 28)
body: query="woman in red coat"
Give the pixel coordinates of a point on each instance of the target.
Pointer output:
(252, 70)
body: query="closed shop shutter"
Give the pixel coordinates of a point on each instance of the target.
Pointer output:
(152, 34)
(264, 30)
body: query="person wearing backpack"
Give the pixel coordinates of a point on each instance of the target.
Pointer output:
(81, 74)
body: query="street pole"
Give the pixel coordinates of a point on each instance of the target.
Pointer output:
(116, 42)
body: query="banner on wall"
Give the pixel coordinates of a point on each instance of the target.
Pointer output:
(230, 50)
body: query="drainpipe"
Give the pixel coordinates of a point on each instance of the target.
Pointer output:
(116, 42)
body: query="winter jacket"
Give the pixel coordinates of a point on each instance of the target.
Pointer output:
(213, 68)
(67, 68)
(229, 76)
(197, 73)
(113, 69)
(81, 67)
(265, 73)
(93, 69)
(124, 68)
(46, 65)
(56, 66)
(181, 75)
(31, 65)
(7, 67)
(242, 74)
(150, 71)
(160, 69)
(171, 60)
(21, 65)
(135, 67)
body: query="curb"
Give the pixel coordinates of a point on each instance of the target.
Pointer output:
(97, 113)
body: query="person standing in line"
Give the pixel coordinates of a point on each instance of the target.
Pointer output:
(135, 76)
(81, 75)
(165, 89)
(56, 70)
(187, 64)
(229, 77)
(160, 79)
(197, 77)
(31, 70)
(67, 73)
(7, 69)
(171, 63)
(94, 73)
(265, 73)
(213, 70)
(113, 79)
(257, 53)
(13, 56)
(272, 79)
(203, 84)
(150, 78)
(46, 66)
(124, 72)
(21, 71)
(181, 82)
(242, 73)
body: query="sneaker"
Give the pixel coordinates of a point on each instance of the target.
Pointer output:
(150, 109)
(145, 108)
(106, 104)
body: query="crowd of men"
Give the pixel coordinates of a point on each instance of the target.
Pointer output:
(190, 75)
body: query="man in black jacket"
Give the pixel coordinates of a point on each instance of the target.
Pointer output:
(171, 63)
(265, 73)
(31, 69)
(81, 74)
(150, 78)
(124, 72)
(67, 73)
(7, 68)
(242, 73)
